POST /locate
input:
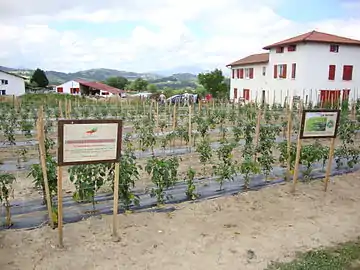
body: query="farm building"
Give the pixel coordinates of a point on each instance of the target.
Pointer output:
(11, 84)
(315, 67)
(77, 87)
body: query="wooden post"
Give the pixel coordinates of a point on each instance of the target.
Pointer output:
(289, 128)
(65, 105)
(257, 132)
(42, 151)
(328, 168)
(116, 201)
(174, 116)
(60, 207)
(297, 161)
(69, 108)
(190, 126)
(61, 109)
(157, 114)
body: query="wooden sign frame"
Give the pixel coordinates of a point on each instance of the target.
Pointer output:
(331, 149)
(62, 123)
(303, 120)
(61, 163)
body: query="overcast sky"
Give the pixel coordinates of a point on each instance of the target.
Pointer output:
(147, 35)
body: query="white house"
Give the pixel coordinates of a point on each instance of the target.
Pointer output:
(11, 84)
(315, 66)
(70, 87)
(77, 87)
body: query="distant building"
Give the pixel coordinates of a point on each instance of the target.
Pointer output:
(77, 87)
(11, 84)
(315, 66)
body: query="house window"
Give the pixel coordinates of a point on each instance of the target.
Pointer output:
(246, 94)
(249, 73)
(279, 49)
(347, 73)
(264, 71)
(4, 82)
(280, 71)
(293, 71)
(292, 48)
(235, 93)
(332, 69)
(334, 48)
(2, 92)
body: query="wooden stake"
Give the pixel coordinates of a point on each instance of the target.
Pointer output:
(174, 117)
(60, 207)
(41, 139)
(60, 109)
(297, 161)
(190, 126)
(328, 168)
(289, 128)
(66, 111)
(257, 132)
(116, 201)
(157, 114)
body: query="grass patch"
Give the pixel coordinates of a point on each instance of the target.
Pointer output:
(344, 256)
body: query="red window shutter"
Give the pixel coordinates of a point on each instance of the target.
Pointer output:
(235, 93)
(233, 73)
(241, 73)
(332, 69)
(346, 94)
(347, 73)
(251, 75)
(275, 71)
(292, 48)
(293, 71)
(238, 73)
(284, 72)
(246, 94)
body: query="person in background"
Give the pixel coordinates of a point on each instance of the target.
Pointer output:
(186, 98)
(208, 97)
(162, 98)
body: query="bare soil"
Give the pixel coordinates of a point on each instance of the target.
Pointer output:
(240, 232)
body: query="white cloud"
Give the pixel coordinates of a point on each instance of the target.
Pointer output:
(232, 29)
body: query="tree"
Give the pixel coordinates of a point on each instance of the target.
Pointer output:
(39, 77)
(117, 82)
(139, 84)
(152, 88)
(214, 83)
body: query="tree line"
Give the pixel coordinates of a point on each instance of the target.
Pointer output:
(213, 82)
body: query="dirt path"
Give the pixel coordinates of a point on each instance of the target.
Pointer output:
(239, 232)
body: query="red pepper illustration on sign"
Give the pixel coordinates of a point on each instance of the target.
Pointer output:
(91, 131)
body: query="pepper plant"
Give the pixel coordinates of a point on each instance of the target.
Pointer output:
(129, 174)
(205, 152)
(163, 175)
(88, 179)
(226, 167)
(309, 155)
(51, 166)
(190, 186)
(266, 143)
(6, 192)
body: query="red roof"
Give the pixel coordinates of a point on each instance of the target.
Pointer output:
(100, 86)
(251, 59)
(315, 36)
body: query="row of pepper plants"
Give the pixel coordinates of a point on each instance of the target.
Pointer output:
(255, 158)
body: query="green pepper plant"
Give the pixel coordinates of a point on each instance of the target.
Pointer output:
(6, 192)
